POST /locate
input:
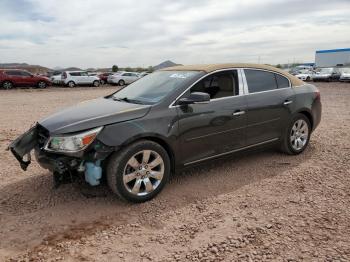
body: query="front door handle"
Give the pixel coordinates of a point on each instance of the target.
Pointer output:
(288, 102)
(239, 113)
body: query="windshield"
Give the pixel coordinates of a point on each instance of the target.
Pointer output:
(154, 87)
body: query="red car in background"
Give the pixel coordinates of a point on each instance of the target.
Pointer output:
(10, 78)
(103, 77)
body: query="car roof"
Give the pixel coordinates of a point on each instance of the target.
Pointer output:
(208, 68)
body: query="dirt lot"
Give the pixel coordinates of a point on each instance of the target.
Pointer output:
(256, 206)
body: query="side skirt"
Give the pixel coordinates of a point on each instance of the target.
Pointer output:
(232, 151)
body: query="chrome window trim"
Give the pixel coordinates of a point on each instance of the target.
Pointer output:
(240, 81)
(266, 70)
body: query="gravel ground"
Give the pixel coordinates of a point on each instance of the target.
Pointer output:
(255, 206)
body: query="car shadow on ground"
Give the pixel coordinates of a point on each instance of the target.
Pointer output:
(65, 209)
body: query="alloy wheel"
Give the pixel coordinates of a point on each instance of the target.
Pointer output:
(143, 172)
(42, 84)
(299, 134)
(7, 85)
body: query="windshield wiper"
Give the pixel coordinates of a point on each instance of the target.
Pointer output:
(125, 99)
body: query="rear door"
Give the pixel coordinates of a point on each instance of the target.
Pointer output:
(15, 77)
(218, 127)
(269, 102)
(76, 77)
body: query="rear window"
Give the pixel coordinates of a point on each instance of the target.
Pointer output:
(259, 81)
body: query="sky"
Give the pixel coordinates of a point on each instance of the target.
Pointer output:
(100, 33)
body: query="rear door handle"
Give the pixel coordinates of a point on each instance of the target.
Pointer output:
(288, 102)
(239, 113)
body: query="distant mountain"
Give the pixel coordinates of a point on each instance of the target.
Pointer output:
(71, 69)
(165, 64)
(35, 69)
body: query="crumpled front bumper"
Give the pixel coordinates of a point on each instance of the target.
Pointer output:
(23, 145)
(35, 139)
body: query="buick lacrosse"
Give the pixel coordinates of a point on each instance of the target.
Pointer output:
(170, 119)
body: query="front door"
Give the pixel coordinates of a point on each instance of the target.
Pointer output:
(217, 127)
(269, 101)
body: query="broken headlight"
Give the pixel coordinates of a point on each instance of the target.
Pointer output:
(72, 143)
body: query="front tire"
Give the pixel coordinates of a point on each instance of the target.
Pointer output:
(297, 135)
(96, 83)
(121, 82)
(42, 84)
(138, 172)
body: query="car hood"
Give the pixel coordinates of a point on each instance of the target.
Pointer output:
(92, 113)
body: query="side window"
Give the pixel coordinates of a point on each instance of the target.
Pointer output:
(24, 73)
(259, 80)
(282, 81)
(218, 85)
(74, 73)
(83, 74)
(12, 73)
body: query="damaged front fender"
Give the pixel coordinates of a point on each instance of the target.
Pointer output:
(22, 146)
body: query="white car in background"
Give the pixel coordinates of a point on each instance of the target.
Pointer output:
(74, 78)
(344, 74)
(123, 78)
(56, 79)
(305, 75)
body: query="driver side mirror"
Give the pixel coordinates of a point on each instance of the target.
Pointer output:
(194, 98)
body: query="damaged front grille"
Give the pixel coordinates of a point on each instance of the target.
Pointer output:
(43, 135)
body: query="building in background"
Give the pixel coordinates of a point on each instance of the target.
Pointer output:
(332, 57)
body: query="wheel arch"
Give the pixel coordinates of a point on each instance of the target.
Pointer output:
(309, 116)
(159, 140)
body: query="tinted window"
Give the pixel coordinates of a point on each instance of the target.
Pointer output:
(24, 73)
(259, 80)
(218, 85)
(282, 81)
(74, 73)
(13, 73)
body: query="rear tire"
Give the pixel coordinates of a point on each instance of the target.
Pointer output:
(121, 82)
(7, 85)
(138, 172)
(297, 135)
(96, 83)
(71, 84)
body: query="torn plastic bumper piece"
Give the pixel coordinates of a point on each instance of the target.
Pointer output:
(22, 146)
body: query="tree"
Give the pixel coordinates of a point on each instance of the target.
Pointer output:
(115, 68)
(278, 66)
